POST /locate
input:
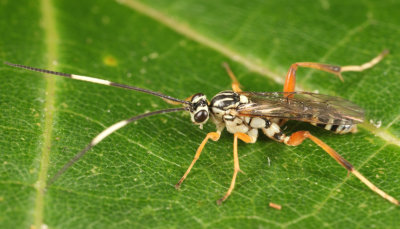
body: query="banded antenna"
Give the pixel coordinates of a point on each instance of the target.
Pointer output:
(103, 135)
(113, 127)
(98, 81)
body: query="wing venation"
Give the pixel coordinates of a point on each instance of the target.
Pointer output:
(302, 106)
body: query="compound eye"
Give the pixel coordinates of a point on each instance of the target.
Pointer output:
(201, 116)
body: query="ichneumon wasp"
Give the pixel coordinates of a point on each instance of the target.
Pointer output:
(244, 113)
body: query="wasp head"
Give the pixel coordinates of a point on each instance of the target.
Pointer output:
(198, 108)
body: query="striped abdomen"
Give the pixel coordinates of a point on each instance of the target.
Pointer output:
(337, 126)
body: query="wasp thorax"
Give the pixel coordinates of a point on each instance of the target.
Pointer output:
(199, 109)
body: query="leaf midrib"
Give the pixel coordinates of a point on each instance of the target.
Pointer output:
(51, 38)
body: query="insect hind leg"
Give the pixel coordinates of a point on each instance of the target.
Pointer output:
(298, 137)
(290, 81)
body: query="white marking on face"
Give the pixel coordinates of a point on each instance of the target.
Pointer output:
(198, 98)
(91, 79)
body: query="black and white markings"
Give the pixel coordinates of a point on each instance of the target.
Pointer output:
(99, 81)
(199, 111)
(341, 128)
(257, 122)
(265, 111)
(224, 111)
(91, 79)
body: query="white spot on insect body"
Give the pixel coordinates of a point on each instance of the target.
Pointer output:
(253, 133)
(218, 112)
(236, 126)
(243, 99)
(273, 129)
(229, 117)
(329, 125)
(257, 123)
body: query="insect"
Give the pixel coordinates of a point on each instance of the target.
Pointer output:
(245, 113)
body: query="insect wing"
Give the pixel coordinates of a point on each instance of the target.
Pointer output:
(302, 106)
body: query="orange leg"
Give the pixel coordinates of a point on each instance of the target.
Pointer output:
(290, 81)
(246, 138)
(235, 83)
(298, 137)
(214, 136)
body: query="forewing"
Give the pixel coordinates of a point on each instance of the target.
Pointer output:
(302, 106)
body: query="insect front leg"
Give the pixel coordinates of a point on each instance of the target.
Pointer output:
(235, 83)
(298, 137)
(215, 137)
(247, 139)
(290, 81)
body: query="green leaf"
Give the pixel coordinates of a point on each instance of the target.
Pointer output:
(177, 48)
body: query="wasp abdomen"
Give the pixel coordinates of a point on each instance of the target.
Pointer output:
(337, 126)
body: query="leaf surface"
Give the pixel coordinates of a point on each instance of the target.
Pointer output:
(177, 48)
